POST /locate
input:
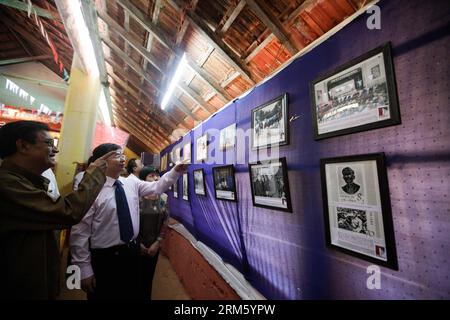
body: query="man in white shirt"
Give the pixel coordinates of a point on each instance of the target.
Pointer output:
(134, 167)
(103, 244)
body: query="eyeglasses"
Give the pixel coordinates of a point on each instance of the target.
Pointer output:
(121, 156)
(49, 142)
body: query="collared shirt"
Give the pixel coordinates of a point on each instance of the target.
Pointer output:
(53, 191)
(100, 226)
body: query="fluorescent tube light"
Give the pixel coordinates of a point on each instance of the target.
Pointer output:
(180, 69)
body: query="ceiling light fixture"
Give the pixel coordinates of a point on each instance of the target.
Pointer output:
(180, 69)
(86, 49)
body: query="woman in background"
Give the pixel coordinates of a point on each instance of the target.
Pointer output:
(154, 217)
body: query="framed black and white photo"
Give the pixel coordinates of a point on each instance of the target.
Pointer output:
(187, 153)
(270, 185)
(175, 189)
(199, 182)
(227, 137)
(358, 96)
(185, 186)
(357, 207)
(201, 150)
(270, 126)
(224, 183)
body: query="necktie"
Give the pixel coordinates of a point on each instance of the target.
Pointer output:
(123, 214)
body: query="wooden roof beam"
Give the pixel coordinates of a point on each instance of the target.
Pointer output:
(273, 24)
(130, 38)
(22, 60)
(159, 129)
(202, 29)
(141, 72)
(23, 6)
(231, 15)
(133, 121)
(151, 28)
(147, 125)
(133, 131)
(118, 95)
(170, 121)
(145, 22)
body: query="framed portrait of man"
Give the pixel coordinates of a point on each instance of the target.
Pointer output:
(185, 186)
(357, 209)
(199, 182)
(358, 96)
(270, 126)
(224, 183)
(201, 150)
(270, 184)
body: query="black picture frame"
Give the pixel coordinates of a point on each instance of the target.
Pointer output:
(358, 96)
(356, 206)
(270, 183)
(272, 117)
(200, 173)
(224, 175)
(185, 186)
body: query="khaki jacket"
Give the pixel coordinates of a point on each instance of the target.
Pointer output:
(29, 257)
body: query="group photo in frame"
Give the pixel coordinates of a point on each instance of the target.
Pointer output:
(357, 208)
(185, 186)
(270, 124)
(199, 182)
(224, 183)
(201, 148)
(358, 96)
(270, 184)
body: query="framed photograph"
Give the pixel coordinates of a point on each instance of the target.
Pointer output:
(270, 124)
(163, 163)
(358, 96)
(175, 189)
(357, 207)
(187, 152)
(199, 182)
(185, 187)
(270, 185)
(227, 137)
(201, 150)
(224, 183)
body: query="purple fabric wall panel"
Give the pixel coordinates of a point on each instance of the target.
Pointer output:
(284, 254)
(217, 221)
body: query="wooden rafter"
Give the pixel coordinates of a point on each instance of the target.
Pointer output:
(273, 24)
(213, 39)
(171, 122)
(23, 6)
(231, 15)
(141, 73)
